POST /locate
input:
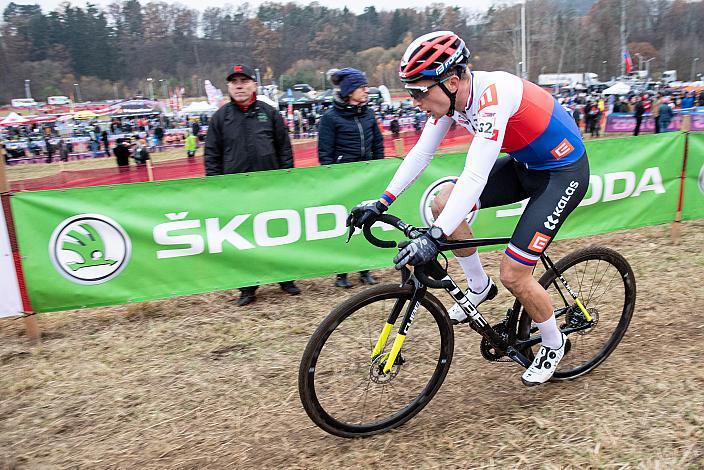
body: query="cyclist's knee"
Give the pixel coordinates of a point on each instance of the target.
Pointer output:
(513, 275)
(440, 200)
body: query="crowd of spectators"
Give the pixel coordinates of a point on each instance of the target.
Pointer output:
(589, 109)
(55, 141)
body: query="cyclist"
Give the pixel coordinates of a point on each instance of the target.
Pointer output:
(546, 163)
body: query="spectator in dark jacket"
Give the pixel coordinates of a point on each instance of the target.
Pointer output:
(639, 111)
(63, 150)
(395, 127)
(348, 132)
(247, 135)
(122, 153)
(576, 115)
(195, 128)
(106, 142)
(665, 114)
(49, 150)
(159, 134)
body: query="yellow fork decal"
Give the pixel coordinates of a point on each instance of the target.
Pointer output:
(398, 342)
(382, 340)
(584, 310)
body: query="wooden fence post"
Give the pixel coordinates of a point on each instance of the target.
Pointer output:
(676, 228)
(30, 320)
(399, 147)
(150, 170)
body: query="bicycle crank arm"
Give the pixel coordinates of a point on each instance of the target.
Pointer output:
(516, 356)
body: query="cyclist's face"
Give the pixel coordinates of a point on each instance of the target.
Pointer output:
(435, 102)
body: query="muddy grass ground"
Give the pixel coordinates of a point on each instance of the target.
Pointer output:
(196, 382)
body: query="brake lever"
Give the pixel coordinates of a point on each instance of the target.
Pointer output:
(351, 232)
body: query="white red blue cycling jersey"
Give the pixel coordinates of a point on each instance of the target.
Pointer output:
(505, 114)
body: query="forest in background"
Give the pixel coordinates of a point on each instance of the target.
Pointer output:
(111, 51)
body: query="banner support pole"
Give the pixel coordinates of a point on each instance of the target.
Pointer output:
(150, 170)
(4, 184)
(30, 321)
(676, 228)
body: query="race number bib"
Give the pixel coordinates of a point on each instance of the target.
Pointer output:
(486, 123)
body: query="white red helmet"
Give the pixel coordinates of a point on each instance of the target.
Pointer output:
(432, 54)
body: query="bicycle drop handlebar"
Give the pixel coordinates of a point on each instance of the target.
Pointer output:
(411, 232)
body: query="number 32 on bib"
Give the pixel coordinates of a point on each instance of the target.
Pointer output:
(486, 126)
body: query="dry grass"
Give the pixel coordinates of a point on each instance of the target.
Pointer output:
(198, 383)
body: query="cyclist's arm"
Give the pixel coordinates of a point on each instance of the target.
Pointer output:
(485, 147)
(418, 158)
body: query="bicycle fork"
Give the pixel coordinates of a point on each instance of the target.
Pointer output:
(406, 323)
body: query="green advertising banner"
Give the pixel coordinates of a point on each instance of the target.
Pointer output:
(634, 182)
(116, 244)
(693, 198)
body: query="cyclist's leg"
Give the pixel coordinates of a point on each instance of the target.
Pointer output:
(503, 187)
(555, 193)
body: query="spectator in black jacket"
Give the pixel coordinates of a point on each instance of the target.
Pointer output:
(348, 132)
(639, 110)
(247, 135)
(106, 142)
(122, 154)
(159, 134)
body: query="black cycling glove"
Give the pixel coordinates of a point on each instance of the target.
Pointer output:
(364, 212)
(419, 251)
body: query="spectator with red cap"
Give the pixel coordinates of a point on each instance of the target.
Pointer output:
(247, 135)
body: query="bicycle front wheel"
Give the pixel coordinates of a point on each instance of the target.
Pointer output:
(604, 282)
(344, 389)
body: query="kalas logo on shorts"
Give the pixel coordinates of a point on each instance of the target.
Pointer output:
(89, 249)
(426, 201)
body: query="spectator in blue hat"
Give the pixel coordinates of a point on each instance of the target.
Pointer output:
(348, 132)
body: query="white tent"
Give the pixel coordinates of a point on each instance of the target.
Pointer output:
(199, 107)
(14, 119)
(268, 101)
(618, 88)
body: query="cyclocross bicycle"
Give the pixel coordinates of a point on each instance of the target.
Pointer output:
(355, 382)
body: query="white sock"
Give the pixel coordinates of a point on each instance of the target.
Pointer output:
(472, 267)
(552, 337)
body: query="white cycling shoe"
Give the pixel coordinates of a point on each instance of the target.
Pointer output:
(456, 313)
(544, 364)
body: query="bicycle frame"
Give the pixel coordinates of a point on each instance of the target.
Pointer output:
(511, 345)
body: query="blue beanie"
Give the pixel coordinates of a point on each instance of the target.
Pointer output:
(348, 79)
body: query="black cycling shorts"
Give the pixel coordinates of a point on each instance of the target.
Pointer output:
(552, 194)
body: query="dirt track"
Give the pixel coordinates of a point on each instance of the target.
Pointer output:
(195, 383)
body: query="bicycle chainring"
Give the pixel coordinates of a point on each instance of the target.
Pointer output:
(489, 352)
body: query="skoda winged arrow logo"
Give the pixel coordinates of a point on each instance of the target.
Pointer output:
(89, 249)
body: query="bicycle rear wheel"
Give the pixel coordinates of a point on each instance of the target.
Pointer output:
(343, 388)
(604, 282)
